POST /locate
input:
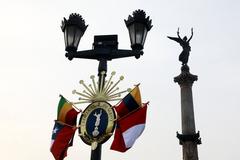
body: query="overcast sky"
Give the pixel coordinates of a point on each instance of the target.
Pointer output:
(34, 71)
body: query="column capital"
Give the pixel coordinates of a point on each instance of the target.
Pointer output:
(185, 77)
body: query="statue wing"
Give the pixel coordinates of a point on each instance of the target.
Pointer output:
(179, 40)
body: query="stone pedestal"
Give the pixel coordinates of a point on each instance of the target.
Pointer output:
(189, 139)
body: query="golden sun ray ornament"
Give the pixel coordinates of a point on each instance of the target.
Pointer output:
(100, 91)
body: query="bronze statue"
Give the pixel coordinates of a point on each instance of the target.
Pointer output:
(184, 42)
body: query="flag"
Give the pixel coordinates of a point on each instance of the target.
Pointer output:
(128, 129)
(129, 103)
(66, 113)
(64, 129)
(62, 136)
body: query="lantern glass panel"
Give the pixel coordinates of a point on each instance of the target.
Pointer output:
(78, 35)
(66, 38)
(132, 34)
(139, 31)
(70, 35)
(144, 35)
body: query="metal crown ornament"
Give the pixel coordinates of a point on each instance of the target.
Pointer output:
(99, 91)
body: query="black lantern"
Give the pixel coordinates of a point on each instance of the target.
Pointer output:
(73, 29)
(138, 26)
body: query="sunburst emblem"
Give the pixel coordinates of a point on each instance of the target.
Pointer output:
(101, 90)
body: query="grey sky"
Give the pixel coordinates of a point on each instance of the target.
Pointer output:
(34, 71)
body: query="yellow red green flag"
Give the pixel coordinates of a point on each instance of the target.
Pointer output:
(66, 113)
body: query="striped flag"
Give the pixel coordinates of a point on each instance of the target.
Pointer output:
(128, 129)
(129, 103)
(66, 113)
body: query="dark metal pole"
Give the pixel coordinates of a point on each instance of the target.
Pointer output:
(102, 67)
(96, 154)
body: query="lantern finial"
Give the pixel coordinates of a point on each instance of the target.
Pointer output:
(74, 19)
(139, 16)
(73, 29)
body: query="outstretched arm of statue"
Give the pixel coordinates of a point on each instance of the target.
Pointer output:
(178, 33)
(191, 35)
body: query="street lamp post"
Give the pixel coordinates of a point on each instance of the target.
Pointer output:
(105, 47)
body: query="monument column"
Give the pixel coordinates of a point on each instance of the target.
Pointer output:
(189, 139)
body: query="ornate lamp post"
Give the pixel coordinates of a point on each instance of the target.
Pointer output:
(105, 47)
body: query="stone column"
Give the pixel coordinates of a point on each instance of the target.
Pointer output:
(189, 139)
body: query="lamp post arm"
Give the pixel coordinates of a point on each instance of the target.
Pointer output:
(87, 54)
(107, 54)
(122, 53)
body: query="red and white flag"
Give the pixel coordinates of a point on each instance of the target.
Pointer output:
(128, 129)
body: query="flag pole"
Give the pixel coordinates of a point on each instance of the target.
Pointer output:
(136, 85)
(60, 122)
